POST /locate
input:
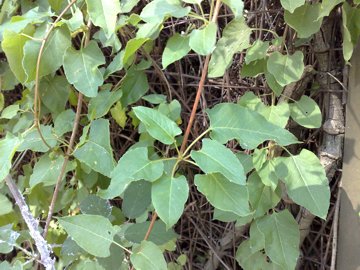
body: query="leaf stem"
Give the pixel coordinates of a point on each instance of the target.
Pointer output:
(195, 141)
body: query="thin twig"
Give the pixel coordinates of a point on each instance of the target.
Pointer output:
(37, 75)
(200, 87)
(66, 160)
(33, 226)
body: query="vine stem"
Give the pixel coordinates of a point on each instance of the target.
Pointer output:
(69, 149)
(37, 74)
(193, 111)
(33, 226)
(200, 87)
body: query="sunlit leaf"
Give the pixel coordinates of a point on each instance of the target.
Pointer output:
(223, 194)
(291, 5)
(202, 41)
(215, 157)
(282, 238)
(306, 182)
(231, 121)
(304, 19)
(81, 68)
(103, 13)
(235, 38)
(148, 256)
(286, 68)
(306, 112)
(176, 48)
(158, 10)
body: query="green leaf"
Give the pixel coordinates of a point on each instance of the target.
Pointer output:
(155, 98)
(246, 161)
(8, 238)
(231, 121)
(159, 234)
(148, 256)
(6, 206)
(159, 126)
(136, 199)
(286, 68)
(273, 84)
(262, 198)
(215, 157)
(306, 182)
(253, 69)
(10, 111)
(169, 195)
(54, 92)
(291, 5)
(202, 41)
(103, 13)
(134, 165)
(94, 205)
(236, 37)
(92, 233)
(249, 259)
(257, 51)
(32, 140)
(115, 65)
(223, 194)
(131, 47)
(277, 115)
(52, 58)
(76, 21)
(327, 6)
(18, 23)
(306, 112)
(134, 86)
(127, 5)
(7, 77)
(81, 68)
(47, 170)
(101, 104)
(64, 122)
(304, 19)
(97, 152)
(282, 238)
(13, 45)
(351, 31)
(176, 48)
(158, 10)
(236, 6)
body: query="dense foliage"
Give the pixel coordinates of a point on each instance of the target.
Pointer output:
(79, 65)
